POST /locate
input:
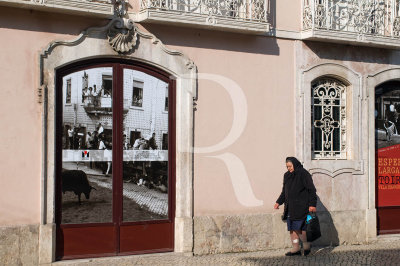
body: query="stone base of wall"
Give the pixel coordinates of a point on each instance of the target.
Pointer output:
(19, 245)
(243, 233)
(212, 234)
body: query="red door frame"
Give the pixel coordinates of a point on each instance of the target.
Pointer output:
(116, 238)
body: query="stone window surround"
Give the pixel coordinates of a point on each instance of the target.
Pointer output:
(353, 164)
(91, 44)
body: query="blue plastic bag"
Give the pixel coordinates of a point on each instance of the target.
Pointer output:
(312, 227)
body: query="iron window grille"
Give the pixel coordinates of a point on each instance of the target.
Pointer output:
(328, 117)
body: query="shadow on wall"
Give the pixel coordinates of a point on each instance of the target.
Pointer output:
(32, 20)
(214, 39)
(219, 39)
(49, 22)
(347, 52)
(329, 233)
(272, 13)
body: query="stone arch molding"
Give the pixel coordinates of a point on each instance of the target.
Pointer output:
(381, 77)
(137, 46)
(354, 163)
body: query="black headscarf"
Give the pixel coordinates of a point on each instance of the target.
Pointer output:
(296, 164)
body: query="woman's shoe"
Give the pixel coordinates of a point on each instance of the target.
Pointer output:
(298, 253)
(307, 251)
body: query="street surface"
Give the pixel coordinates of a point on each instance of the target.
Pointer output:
(150, 199)
(386, 251)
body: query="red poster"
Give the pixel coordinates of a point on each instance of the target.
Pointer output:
(388, 178)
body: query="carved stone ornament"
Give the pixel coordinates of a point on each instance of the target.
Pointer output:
(122, 34)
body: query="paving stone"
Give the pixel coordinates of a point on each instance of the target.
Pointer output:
(379, 253)
(151, 199)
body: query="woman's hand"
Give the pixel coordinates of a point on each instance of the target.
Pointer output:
(276, 206)
(312, 209)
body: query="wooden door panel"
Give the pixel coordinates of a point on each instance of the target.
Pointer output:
(76, 242)
(147, 237)
(388, 220)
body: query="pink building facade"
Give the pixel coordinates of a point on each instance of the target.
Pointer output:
(230, 89)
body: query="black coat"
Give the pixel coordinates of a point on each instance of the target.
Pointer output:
(298, 192)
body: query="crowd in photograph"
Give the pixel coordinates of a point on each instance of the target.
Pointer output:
(151, 174)
(78, 139)
(91, 96)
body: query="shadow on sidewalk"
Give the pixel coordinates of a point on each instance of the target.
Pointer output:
(327, 257)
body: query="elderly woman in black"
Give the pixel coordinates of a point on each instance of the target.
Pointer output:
(300, 198)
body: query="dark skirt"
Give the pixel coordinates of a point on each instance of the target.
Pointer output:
(295, 225)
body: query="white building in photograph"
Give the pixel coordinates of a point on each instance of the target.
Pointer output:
(87, 99)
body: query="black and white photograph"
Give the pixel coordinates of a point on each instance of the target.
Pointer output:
(87, 168)
(387, 112)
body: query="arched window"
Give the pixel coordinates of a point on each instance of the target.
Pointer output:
(328, 119)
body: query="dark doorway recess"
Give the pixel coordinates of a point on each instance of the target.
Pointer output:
(387, 162)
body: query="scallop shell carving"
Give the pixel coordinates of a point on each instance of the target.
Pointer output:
(123, 42)
(123, 37)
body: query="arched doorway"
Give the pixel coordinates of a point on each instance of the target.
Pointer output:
(387, 162)
(115, 159)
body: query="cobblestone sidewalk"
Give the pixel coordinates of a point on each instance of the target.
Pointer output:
(153, 200)
(385, 251)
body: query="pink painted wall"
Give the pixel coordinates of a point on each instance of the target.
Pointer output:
(286, 14)
(264, 69)
(23, 34)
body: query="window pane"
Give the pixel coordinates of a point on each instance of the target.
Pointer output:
(336, 139)
(318, 139)
(68, 91)
(145, 155)
(166, 98)
(137, 93)
(336, 113)
(87, 147)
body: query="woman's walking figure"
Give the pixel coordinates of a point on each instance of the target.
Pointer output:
(300, 198)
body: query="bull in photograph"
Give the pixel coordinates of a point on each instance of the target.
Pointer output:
(77, 182)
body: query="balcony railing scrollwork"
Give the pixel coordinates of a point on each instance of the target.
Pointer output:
(101, 105)
(225, 13)
(376, 18)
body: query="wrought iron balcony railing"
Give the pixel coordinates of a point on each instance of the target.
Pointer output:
(245, 15)
(102, 8)
(365, 18)
(101, 105)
